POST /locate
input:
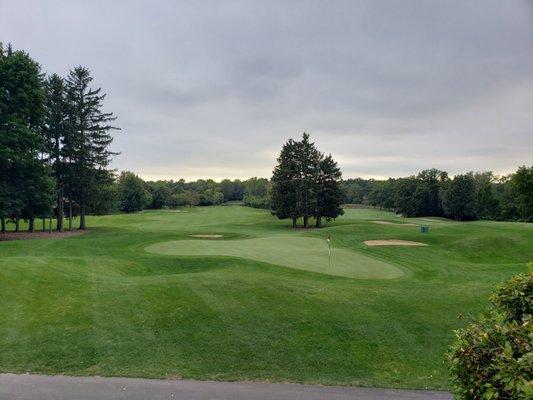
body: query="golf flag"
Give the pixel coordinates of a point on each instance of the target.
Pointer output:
(328, 240)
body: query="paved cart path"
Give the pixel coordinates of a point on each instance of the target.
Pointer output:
(40, 387)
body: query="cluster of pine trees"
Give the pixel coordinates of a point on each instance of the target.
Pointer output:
(467, 196)
(306, 184)
(54, 142)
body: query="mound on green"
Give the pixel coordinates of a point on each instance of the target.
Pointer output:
(310, 254)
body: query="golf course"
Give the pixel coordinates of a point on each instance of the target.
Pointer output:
(232, 293)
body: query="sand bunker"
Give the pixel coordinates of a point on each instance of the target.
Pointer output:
(393, 242)
(392, 223)
(207, 236)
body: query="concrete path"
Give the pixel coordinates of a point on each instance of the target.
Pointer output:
(39, 387)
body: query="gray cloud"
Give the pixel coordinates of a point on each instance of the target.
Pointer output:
(213, 88)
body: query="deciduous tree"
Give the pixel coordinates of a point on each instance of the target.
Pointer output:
(459, 197)
(132, 193)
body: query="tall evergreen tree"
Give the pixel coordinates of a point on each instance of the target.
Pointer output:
(285, 196)
(308, 170)
(55, 132)
(87, 145)
(329, 195)
(305, 184)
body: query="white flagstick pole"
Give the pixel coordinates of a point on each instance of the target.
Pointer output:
(329, 250)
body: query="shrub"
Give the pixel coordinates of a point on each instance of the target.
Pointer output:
(515, 297)
(256, 201)
(492, 358)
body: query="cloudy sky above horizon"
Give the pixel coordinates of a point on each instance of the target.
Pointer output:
(213, 88)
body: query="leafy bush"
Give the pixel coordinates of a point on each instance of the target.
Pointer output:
(256, 201)
(515, 297)
(492, 358)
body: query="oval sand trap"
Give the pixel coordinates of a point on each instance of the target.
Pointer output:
(207, 236)
(310, 254)
(393, 242)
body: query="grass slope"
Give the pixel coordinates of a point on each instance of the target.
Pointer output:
(99, 304)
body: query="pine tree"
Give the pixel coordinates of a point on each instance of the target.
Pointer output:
(329, 194)
(285, 184)
(87, 145)
(306, 184)
(55, 132)
(308, 160)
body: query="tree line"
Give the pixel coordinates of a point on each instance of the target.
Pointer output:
(480, 195)
(131, 193)
(306, 184)
(54, 142)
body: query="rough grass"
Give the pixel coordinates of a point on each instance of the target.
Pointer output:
(99, 304)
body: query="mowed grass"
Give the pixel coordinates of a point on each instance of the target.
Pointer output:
(101, 304)
(307, 253)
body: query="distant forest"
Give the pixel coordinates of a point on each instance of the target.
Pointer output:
(480, 195)
(432, 192)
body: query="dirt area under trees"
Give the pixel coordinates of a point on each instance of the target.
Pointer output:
(25, 235)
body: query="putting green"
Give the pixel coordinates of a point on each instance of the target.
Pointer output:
(310, 254)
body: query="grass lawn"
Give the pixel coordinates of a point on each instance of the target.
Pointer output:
(139, 296)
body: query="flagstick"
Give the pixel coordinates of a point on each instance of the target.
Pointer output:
(329, 250)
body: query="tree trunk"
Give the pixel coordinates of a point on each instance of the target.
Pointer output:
(306, 222)
(44, 224)
(82, 210)
(69, 214)
(17, 221)
(31, 225)
(3, 220)
(60, 207)
(294, 223)
(318, 221)
(50, 223)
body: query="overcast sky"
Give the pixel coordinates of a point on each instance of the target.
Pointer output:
(213, 89)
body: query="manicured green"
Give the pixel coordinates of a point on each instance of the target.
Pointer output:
(100, 304)
(307, 253)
